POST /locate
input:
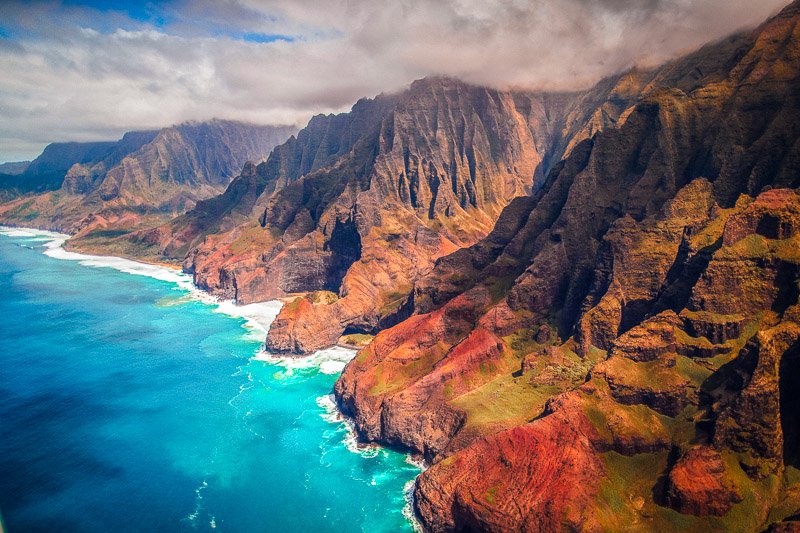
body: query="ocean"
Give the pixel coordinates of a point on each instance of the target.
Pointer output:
(130, 401)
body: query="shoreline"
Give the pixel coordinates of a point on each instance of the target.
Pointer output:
(50, 229)
(257, 316)
(163, 264)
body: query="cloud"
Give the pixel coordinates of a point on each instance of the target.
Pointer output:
(73, 72)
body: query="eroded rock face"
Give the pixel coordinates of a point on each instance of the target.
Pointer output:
(552, 456)
(392, 186)
(698, 484)
(660, 261)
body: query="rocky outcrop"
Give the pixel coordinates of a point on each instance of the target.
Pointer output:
(620, 352)
(698, 484)
(552, 456)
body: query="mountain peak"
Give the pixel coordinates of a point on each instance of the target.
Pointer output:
(430, 83)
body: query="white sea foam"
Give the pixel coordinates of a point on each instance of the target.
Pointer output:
(332, 415)
(329, 361)
(258, 316)
(416, 461)
(408, 508)
(198, 503)
(55, 250)
(36, 234)
(54, 247)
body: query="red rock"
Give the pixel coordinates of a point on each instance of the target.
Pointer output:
(543, 476)
(698, 484)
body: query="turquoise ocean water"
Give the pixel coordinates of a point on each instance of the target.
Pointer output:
(131, 403)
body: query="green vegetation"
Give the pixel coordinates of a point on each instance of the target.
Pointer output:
(105, 233)
(708, 235)
(498, 287)
(745, 515)
(448, 391)
(757, 247)
(392, 301)
(627, 502)
(254, 238)
(628, 488)
(646, 375)
(356, 339)
(505, 401)
(690, 369)
(362, 356)
(490, 495)
(522, 342)
(294, 305)
(386, 382)
(712, 318)
(322, 297)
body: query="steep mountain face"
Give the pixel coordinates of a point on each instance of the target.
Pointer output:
(144, 178)
(359, 206)
(320, 143)
(620, 352)
(47, 171)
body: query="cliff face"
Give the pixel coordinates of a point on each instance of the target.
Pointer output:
(620, 352)
(320, 143)
(359, 206)
(103, 190)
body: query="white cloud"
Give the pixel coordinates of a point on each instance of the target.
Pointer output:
(79, 74)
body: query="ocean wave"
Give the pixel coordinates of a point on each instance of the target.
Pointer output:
(198, 505)
(258, 316)
(408, 508)
(193, 517)
(328, 361)
(55, 250)
(33, 234)
(416, 461)
(54, 247)
(331, 414)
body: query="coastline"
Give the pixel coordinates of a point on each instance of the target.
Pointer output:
(56, 230)
(258, 318)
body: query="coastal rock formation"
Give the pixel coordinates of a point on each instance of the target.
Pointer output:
(362, 204)
(621, 350)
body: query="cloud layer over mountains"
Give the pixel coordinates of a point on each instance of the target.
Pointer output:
(91, 70)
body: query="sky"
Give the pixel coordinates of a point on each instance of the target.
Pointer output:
(87, 70)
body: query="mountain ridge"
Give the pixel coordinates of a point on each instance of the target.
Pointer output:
(620, 351)
(141, 180)
(437, 161)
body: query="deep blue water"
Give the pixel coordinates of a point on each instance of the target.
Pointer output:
(128, 405)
